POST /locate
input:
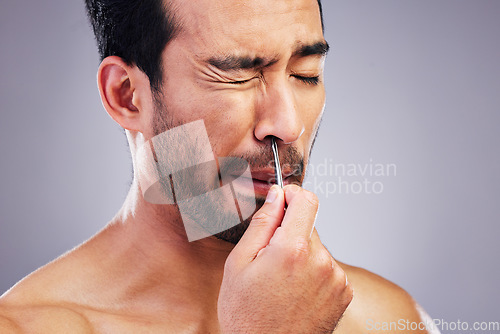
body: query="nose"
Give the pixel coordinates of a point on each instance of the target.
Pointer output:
(277, 114)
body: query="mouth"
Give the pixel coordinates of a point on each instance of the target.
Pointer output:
(261, 181)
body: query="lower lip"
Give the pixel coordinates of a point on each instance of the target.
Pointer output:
(247, 185)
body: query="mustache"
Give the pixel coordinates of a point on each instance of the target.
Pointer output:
(291, 160)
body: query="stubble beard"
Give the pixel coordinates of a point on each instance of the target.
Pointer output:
(164, 121)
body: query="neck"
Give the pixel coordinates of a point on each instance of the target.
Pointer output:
(149, 244)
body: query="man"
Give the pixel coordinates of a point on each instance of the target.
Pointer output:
(251, 71)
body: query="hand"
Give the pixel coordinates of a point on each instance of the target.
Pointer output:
(280, 278)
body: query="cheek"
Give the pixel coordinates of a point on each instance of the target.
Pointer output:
(230, 120)
(228, 115)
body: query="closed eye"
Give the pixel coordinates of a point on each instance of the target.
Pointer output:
(239, 82)
(308, 80)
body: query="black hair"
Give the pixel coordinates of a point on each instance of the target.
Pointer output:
(136, 31)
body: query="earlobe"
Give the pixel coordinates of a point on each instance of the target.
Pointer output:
(116, 86)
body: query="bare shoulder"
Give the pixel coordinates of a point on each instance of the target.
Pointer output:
(378, 296)
(20, 319)
(32, 306)
(380, 306)
(8, 325)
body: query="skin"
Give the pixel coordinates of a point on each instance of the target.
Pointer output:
(140, 275)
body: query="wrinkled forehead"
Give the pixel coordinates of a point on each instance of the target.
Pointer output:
(262, 26)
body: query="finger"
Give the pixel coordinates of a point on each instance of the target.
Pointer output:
(300, 216)
(262, 226)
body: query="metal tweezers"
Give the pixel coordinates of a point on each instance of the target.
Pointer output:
(277, 166)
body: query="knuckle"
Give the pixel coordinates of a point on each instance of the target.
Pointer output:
(326, 264)
(338, 269)
(348, 293)
(302, 246)
(340, 277)
(261, 218)
(349, 290)
(298, 252)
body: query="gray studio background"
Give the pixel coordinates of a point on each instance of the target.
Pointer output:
(410, 83)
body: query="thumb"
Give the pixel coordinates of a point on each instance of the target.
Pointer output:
(262, 227)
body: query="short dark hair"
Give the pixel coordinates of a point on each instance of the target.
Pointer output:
(136, 31)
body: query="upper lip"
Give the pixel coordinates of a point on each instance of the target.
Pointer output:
(268, 174)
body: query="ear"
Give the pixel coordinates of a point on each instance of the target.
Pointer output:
(122, 88)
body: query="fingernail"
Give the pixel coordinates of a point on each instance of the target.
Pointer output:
(272, 194)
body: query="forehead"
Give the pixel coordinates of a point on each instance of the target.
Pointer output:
(260, 27)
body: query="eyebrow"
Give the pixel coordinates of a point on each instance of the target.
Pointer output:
(234, 63)
(316, 49)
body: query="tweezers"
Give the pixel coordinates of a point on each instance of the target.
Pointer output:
(277, 166)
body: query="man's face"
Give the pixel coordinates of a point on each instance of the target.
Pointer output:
(251, 70)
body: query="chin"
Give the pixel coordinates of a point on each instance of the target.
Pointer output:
(234, 234)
